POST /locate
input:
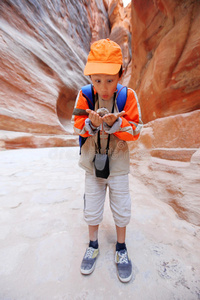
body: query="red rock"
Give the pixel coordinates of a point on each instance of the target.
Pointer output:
(178, 154)
(17, 140)
(195, 159)
(174, 138)
(165, 64)
(44, 47)
(43, 53)
(120, 23)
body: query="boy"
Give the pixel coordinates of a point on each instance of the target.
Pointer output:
(104, 65)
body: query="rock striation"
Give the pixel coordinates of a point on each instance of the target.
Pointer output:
(167, 160)
(166, 57)
(44, 47)
(120, 27)
(166, 75)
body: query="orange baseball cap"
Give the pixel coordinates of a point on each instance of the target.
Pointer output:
(105, 57)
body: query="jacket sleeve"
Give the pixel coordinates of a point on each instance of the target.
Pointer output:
(131, 124)
(82, 122)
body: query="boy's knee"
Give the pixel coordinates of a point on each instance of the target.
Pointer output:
(92, 219)
(122, 214)
(122, 221)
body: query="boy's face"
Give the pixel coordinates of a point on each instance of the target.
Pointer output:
(105, 85)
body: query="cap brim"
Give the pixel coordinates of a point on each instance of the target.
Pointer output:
(101, 68)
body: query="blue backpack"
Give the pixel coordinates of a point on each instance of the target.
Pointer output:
(88, 93)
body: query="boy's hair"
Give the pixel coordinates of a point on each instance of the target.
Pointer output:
(120, 71)
(105, 57)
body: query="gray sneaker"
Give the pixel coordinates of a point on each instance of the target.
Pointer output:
(124, 265)
(89, 261)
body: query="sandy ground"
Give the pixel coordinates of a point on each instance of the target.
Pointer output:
(43, 236)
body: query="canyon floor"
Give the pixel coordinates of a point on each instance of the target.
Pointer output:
(43, 236)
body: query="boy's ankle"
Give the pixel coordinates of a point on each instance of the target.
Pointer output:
(94, 244)
(120, 246)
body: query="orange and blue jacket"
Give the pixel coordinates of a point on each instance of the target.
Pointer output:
(126, 128)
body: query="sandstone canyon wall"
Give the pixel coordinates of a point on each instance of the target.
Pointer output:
(166, 57)
(166, 76)
(43, 48)
(120, 27)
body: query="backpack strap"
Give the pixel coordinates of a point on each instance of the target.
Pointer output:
(88, 93)
(121, 96)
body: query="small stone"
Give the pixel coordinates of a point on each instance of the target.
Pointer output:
(102, 111)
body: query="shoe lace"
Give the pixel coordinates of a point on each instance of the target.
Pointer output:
(123, 257)
(89, 252)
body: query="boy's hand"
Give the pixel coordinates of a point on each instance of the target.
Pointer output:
(95, 119)
(111, 118)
